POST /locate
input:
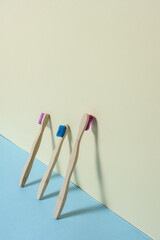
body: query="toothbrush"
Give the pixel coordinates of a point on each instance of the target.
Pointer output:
(62, 132)
(43, 120)
(84, 125)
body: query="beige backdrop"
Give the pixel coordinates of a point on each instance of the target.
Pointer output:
(102, 57)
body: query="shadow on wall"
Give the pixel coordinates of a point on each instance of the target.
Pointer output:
(70, 140)
(97, 159)
(51, 131)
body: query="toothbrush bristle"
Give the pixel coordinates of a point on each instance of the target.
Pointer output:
(41, 118)
(89, 122)
(61, 131)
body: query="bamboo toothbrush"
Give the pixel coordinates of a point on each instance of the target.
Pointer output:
(62, 132)
(27, 168)
(84, 125)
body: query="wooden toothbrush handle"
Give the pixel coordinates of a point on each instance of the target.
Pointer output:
(45, 180)
(64, 190)
(61, 199)
(29, 163)
(44, 183)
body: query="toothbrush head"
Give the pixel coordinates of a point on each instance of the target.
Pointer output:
(61, 131)
(89, 122)
(41, 118)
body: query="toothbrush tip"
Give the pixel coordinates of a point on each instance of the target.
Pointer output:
(41, 118)
(89, 122)
(61, 131)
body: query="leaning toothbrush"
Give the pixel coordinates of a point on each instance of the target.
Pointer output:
(62, 132)
(27, 168)
(84, 125)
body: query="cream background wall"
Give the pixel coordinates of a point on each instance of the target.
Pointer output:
(102, 57)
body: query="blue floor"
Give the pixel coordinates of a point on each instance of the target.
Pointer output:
(23, 217)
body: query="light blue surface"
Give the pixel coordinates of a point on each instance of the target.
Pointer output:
(23, 217)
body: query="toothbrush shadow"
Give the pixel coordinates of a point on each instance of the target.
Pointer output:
(39, 180)
(82, 211)
(51, 131)
(70, 141)
(50, 195)
(98, 160)
(32, 183)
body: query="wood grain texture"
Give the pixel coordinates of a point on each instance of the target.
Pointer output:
(34, 150)
(45, 180)
(71, 165)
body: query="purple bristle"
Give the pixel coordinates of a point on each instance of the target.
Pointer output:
(89, 122)
(41, 118)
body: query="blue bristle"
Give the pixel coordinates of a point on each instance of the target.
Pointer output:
(61, 131)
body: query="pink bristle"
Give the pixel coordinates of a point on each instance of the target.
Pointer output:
(89, 122)
(41, 118)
